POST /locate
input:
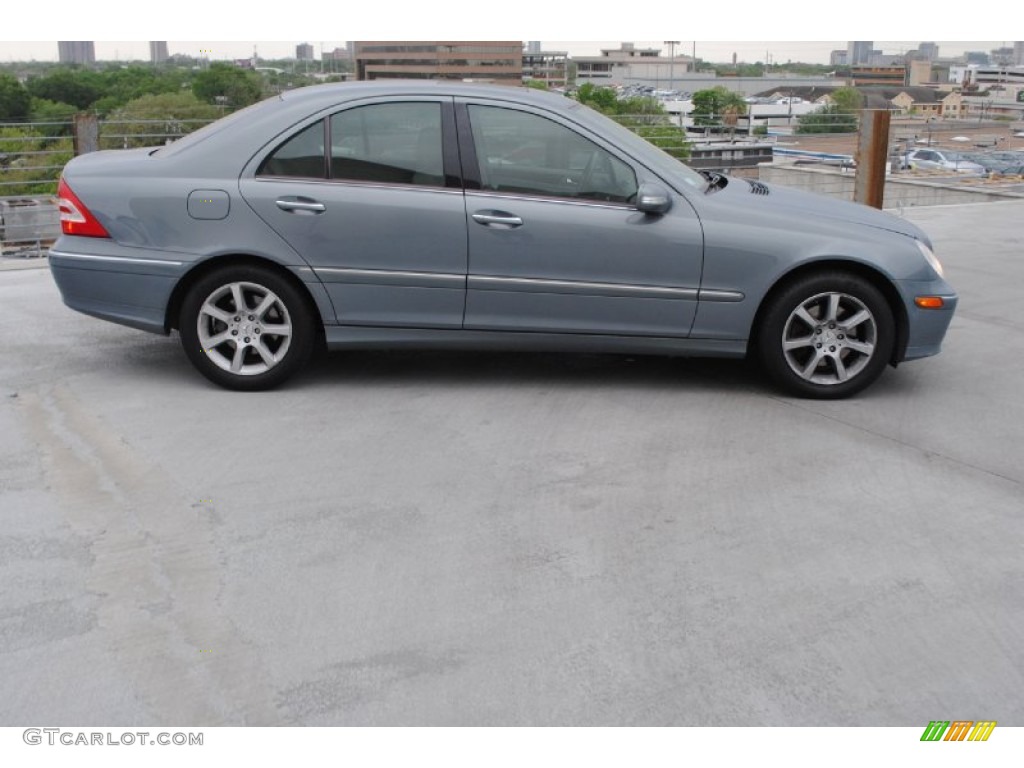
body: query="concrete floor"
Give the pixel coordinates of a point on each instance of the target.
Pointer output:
(441, 538)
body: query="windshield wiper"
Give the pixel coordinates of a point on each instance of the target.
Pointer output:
(715, 180)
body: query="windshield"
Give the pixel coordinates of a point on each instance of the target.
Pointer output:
(638, 146)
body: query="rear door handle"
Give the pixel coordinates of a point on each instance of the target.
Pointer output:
(300, 205)
(500, 219)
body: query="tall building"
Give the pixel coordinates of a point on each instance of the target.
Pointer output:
(158, 52)
(1018, 54)
(76, 52)
(838, 58)
(304, 52)
(492, 61)
(859, 53)
(1002, 56)
(928, 51)
(533, 46)
(549, 67)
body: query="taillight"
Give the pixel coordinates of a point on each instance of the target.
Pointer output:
(75, 218)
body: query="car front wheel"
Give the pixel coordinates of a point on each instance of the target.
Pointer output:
(246, 327)
(828, 335)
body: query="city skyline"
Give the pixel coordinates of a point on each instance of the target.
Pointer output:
(779, 51)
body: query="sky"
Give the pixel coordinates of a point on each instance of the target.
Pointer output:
(747, 51)
(797, 30)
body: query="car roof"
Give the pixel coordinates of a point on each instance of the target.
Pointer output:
(332, 92)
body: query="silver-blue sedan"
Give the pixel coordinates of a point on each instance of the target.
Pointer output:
(441, 214)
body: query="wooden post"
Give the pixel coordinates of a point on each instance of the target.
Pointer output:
(872, 149)
(86, 134)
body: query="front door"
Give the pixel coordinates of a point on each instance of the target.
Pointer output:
(555, 242)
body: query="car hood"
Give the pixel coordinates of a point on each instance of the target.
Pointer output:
(804, 206)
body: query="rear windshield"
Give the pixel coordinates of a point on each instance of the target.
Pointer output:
(215, 127)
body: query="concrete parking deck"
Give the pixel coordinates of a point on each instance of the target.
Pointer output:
(441, 538)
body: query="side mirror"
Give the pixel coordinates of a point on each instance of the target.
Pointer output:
(653, 198)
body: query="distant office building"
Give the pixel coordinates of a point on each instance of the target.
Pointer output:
(1002, 57)
(628, 64)
(550, 67)
(1018, 54)
(533, 46)
(879, 59)
(869, 75)
(838, 58)
(304, 52)
(919, 72)
(859, 53)
(491, 61)
(928, 51)
(76, 52)
(158, 52)
(977, 57)
(338, 54)
(986, 76)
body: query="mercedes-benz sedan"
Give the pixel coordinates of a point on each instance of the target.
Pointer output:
(444, 214)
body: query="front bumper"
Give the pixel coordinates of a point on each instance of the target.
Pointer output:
(926, 328)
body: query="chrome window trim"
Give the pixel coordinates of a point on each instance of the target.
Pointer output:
(556, 200)
(355, 183)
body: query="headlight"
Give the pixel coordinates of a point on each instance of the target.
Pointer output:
(930, 257)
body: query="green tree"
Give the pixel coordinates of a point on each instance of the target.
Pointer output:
(827, 119)
(155, 119)
(641, 114)
(45, 111)
(667, 137)
(227, 84)
(847, 99)
(77, 87)
(122, 84)
(31, 158)
(598, 97)
(14, 99)
(540, 85)
(712, 105)
(840, 116)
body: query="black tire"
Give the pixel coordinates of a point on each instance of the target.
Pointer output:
(250, 350)
(826, 335)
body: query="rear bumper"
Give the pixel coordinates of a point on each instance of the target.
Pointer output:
(130, 290)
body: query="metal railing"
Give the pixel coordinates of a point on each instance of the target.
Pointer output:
(32, 155)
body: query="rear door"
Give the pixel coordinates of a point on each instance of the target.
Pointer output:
(369, 195)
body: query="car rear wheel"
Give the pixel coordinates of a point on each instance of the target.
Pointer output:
(826, 336)
(246, 327)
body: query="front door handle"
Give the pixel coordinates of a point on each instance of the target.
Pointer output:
(500, 219)
(300, 205)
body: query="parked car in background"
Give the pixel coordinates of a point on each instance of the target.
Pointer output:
(942, 160)
(443, 214)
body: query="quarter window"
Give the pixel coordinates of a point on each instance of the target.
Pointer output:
(524, 153)
(302, 156)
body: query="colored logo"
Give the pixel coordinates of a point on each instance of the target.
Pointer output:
(958, 730)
